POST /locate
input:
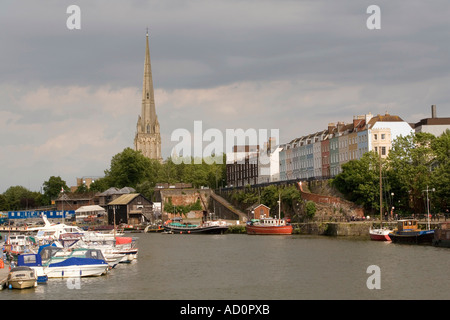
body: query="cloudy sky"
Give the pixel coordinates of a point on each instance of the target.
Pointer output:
(69, 99)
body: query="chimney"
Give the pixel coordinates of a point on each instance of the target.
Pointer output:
(433, 111)
(331, 127)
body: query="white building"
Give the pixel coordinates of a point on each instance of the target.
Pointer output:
(433, 125)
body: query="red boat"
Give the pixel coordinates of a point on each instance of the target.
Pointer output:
(268, 226)
(381, 234)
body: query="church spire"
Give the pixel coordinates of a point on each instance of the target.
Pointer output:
(148, 139)
(148, 96)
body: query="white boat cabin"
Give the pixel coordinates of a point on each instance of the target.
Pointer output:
(270, 222)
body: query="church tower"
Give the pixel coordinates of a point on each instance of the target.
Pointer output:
(148, 138)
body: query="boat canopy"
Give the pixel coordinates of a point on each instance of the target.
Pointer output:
(75, 261)
(29, 260)
(123, 240)
(48, 251)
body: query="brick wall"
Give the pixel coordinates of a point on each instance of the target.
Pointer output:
(336, 201)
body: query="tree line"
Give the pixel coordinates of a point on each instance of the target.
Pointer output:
(128, 168)
(416, 163)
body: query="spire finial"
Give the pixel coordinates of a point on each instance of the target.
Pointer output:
(147, 31)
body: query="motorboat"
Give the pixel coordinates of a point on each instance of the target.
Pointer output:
(380, 234)
(408, 232)
(58, 262)
(127, 247)
(268, 226)
(21, 278)
(16, 244)
(51, 232)
(110, 253)
(33, 261)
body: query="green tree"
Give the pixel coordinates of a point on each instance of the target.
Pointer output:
(290, 198)
(410, 164)
(82, 188)
(440, 174)
(52, 188)
(19, 197)
(100, 185)
(359, 181)
(147, 189)
(4, 206)
(129, 168)
(310, 209)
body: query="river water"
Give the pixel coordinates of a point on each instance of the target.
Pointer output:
(240, 266)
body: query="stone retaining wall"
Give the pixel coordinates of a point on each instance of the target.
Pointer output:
(333, 228)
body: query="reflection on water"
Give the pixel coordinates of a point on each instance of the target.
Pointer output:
(233, 266)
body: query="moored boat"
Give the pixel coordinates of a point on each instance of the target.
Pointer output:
(442, 235)
(268, 226)
(33, 261)
(209, 227)
(51, 232)
(22, 278)
(16, 244)
(408, 232)
(60, 263)
(380, 234)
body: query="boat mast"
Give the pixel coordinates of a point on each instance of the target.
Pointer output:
(114, 210)
(381, 195)
(279, 205)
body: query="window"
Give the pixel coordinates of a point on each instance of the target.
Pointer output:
(383, 151)
(375, 136)
(383, 136)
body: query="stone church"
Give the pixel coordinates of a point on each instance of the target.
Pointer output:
(148, 138)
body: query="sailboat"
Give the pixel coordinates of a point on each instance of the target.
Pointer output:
(381, 233)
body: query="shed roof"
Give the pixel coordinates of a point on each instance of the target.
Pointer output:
(256, 205)
(92, 208)
(124, 199)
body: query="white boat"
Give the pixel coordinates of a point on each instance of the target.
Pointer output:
(60, 263)
(17, 244)
(112, 257)
(380, 234)
(51, 232)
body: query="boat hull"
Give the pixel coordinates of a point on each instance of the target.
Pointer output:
(270, 230)
(76, 271)
(23, 284)
(76, 267)
(196, 230)
(380, 234)
(413, 237)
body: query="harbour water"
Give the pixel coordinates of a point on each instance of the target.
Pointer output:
(239, 266)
